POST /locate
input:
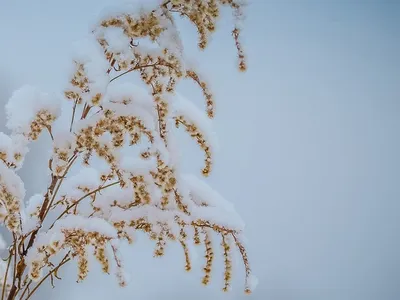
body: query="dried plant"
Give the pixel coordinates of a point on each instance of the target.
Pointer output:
(113, 163)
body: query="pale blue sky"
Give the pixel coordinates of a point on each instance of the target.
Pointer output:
(309, 138)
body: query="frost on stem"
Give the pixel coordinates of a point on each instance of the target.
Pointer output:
(114, 165)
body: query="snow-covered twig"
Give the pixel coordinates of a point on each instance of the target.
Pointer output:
(116, 170)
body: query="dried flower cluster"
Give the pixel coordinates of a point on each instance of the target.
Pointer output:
(114, 167)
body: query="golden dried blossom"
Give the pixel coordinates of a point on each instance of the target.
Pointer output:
(121, 138)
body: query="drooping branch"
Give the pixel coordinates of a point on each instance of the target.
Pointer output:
(143, 189)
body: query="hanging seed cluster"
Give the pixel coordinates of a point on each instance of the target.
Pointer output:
(143, 191)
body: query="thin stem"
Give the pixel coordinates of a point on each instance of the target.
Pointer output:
(85, 111)
(158, 113)
(233, 233)
(63, 261)
(137, 67)
(71, 162)
(22, 268)
(42, 211)
(122, 74)
(15, 260)
(82, 198)
(26, 289)
(116, 258)
(6, 275)
(51, 134)
(73, 115)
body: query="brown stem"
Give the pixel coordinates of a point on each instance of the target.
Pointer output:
(42, 212)
(52, 191)
(6, 275)
(26, 289)
(82, 198)
(111, 64)
(49, 130)
(12, 293)
(137, 67)
(85, 111)
(71, 162)
(73, 115)
(15, 259)
(63, 261)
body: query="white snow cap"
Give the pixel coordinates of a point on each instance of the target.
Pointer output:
(218, 209)
(184, 107)
(12, 182)
(117, 41)
(88, 52)
(34, 203)
(91, 224)
(5, 144)
(252, 282)
(136, 9)
(11, 145)
(117, 92)
(25, 103)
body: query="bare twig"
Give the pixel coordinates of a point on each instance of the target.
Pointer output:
(71, 162)
(137, 67)
(63, 261)
(51, 134)
(15, 259)
(6, 275)
(26, 289)
(73, 115)
(82, 198)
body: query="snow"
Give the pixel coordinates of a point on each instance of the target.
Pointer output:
(34, 204)
(20, 146)
(151, 213)
(30, 220)
(91, 224)
(184, 107)
(11, 145)
(123, 99)
(173, 147)
(201, 193)
(11, 182)
(170, 38)
(119, 91)
(139, 103)
(87, 177)
(70, 222)
(29, 223)
(32, 101)
(6, 144)
(107, 197)
(138, 166)
(117, 41)
(88, 122)
(64, 139)
(218, 216)
(88, 52)
(135, 9)
(252, 282)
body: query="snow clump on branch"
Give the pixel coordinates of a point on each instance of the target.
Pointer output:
(113, 167)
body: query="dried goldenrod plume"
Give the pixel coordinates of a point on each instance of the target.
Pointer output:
(113, 165)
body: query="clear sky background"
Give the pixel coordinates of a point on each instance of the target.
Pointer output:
(309, 145)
